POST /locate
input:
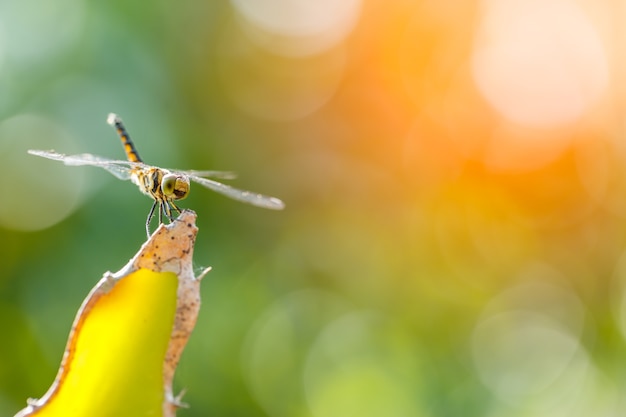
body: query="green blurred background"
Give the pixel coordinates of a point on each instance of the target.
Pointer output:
(454, 174)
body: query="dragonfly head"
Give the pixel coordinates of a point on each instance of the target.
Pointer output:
(175, 186)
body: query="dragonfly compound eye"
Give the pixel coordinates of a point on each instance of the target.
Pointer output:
(175, 186)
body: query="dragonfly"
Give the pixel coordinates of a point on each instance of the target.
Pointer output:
(164, 186)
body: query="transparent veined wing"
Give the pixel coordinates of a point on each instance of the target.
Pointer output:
(223, 175)
(121, 169)
(249, 197)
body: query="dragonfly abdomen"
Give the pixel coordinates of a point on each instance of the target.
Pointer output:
(131, 152)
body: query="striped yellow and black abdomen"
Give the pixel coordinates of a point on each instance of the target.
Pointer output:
(131, 153)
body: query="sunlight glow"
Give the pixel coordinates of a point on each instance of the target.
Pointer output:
(539, 63)
(298, 27)
(41, 193)
(527, 348)
(275, 87)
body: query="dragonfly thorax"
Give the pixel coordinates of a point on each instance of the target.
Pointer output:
(161, 185)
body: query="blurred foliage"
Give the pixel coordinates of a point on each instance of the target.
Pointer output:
(454, 180)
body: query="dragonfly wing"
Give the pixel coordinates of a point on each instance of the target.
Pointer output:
(47, 154)
(249, 197)
(223, 175)
(120, 169)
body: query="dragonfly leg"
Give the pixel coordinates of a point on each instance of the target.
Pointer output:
(167, 208)
(150, 217)
(175, 207)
